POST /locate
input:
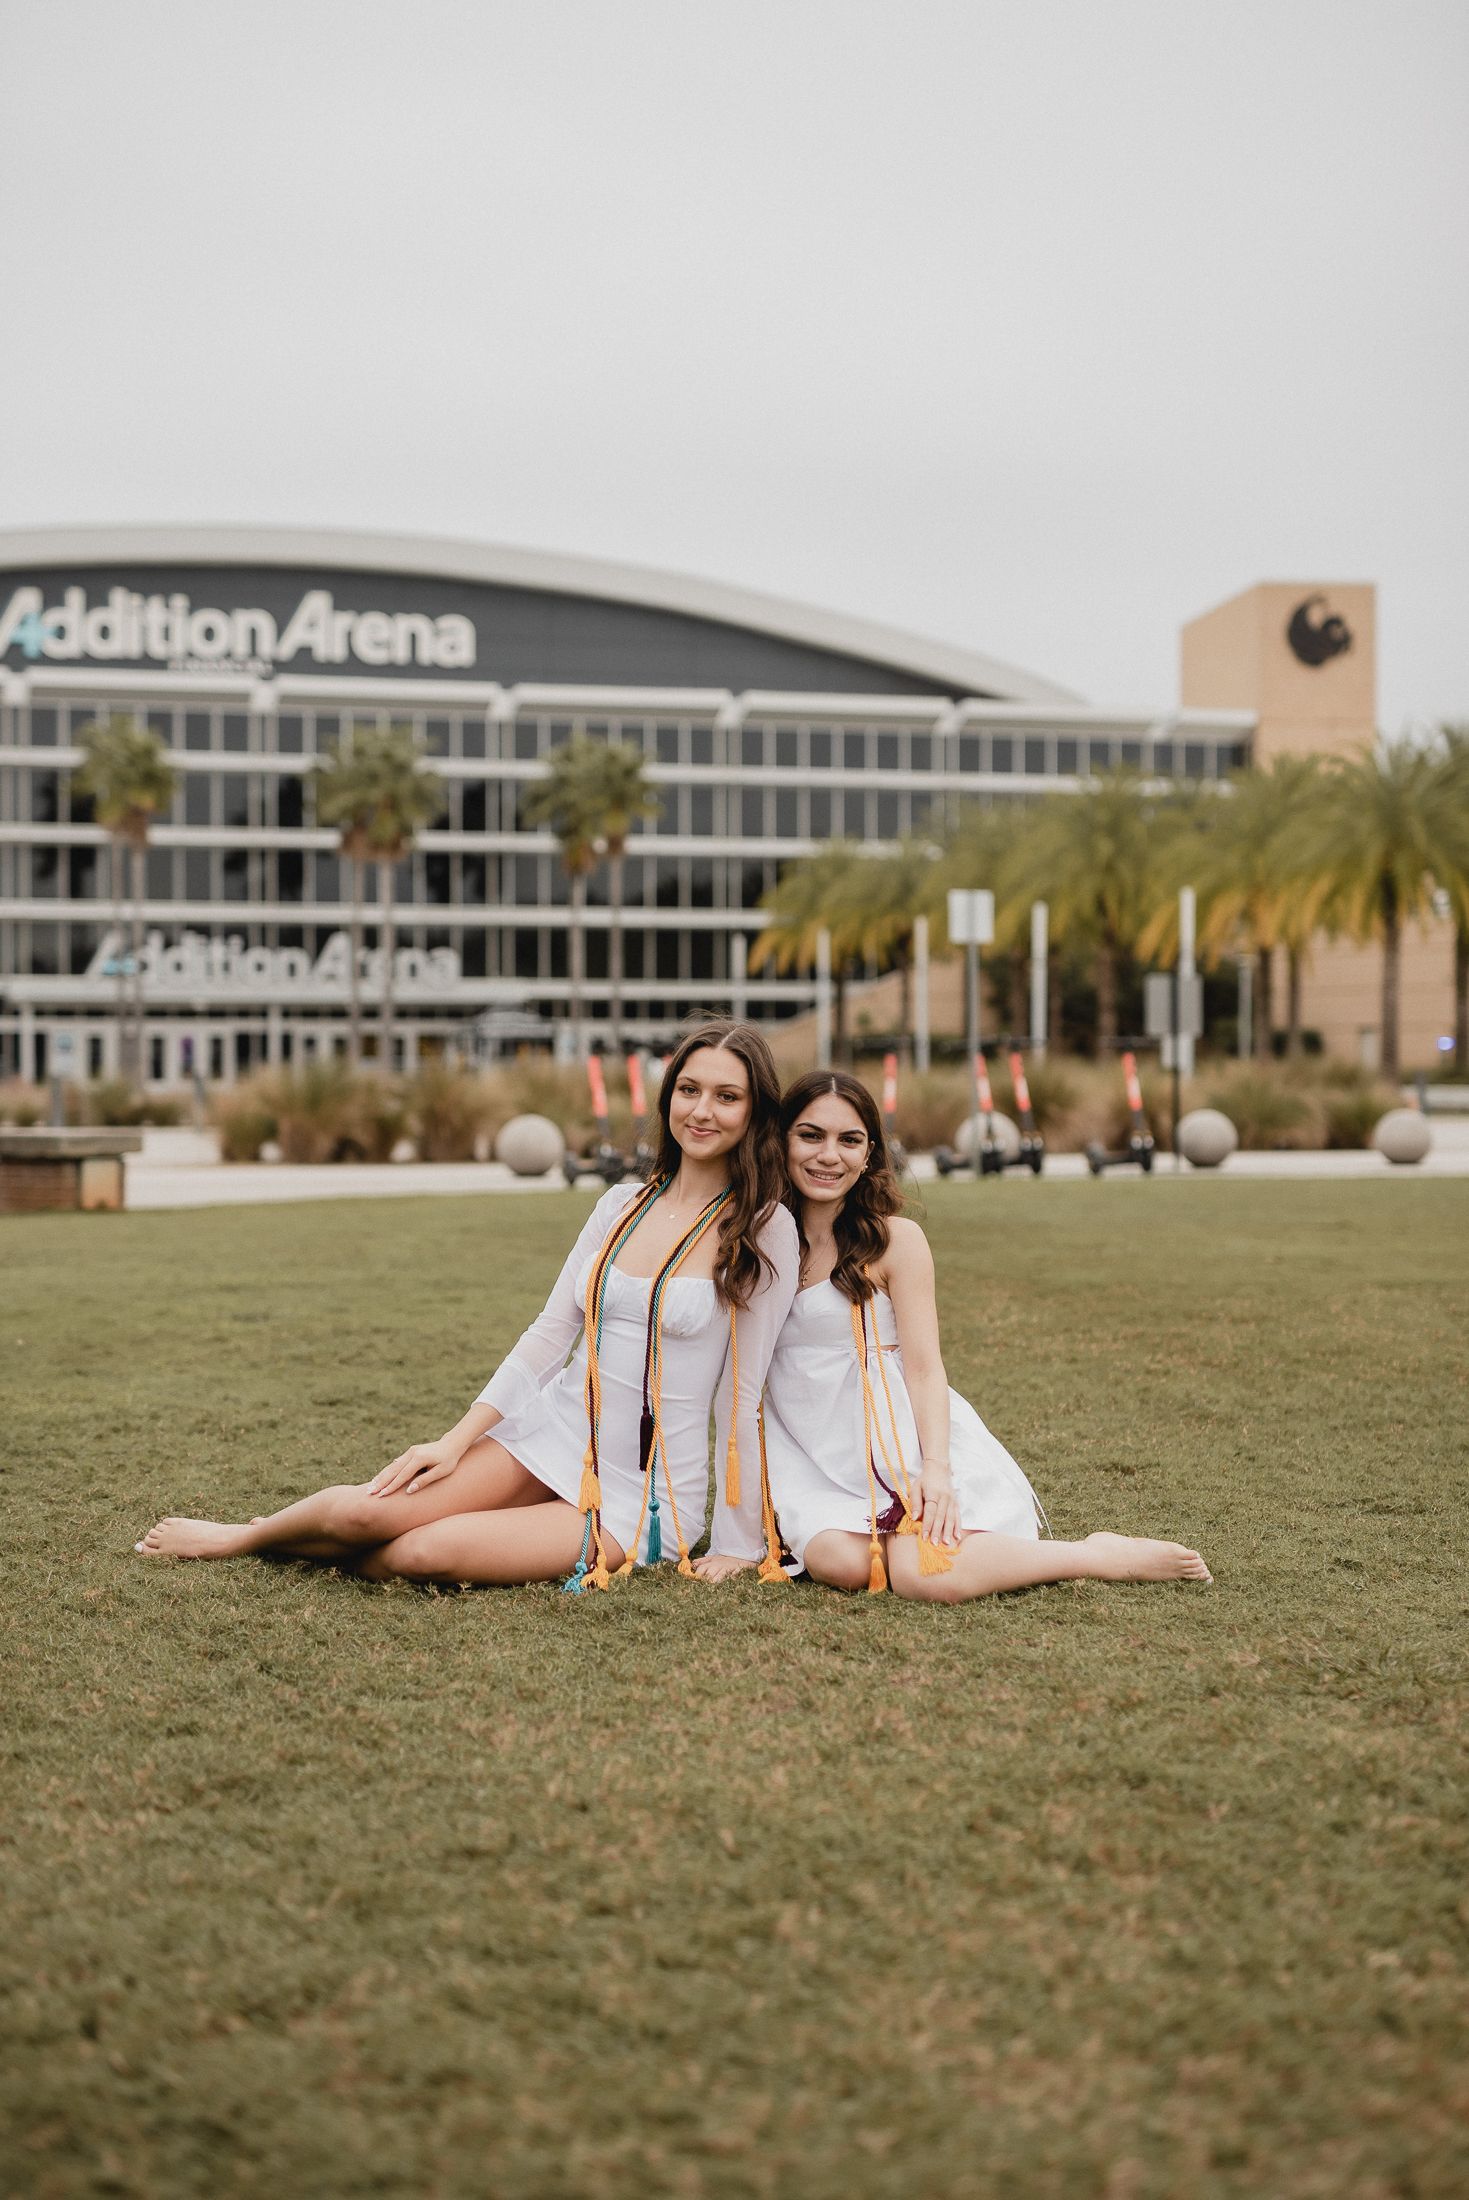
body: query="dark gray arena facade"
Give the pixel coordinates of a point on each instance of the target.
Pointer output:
(767, 728)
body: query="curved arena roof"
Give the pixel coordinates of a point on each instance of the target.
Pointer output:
(566, 619)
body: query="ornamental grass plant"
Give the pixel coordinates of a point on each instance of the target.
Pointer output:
(1118, 1892)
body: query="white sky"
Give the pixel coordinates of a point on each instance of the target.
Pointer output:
(1036, 328)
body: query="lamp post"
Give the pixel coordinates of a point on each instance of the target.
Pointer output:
(971, 915)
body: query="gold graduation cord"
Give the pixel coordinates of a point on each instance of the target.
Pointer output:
(589, 1498)
(931, 1560)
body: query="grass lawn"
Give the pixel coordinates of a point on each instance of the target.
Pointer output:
(313, 1888)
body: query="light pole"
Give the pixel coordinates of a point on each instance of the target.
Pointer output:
(971, 915)
(1040, 950)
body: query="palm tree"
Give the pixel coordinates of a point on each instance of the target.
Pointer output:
(378, 794)
(1094, 857)
(1243, 857)
(820, 893)
(1380, 834)
(130, 780)
(888, 894)
(571, 800)
(1455, 878)
(618, 793)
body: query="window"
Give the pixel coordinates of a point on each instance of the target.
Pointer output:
(666, 955)
(820, 814)
(854, 752)
(969, 752)
(752, 885)
(1002, 753)
(785, 748)
(888, 752)
(701, 955)
(161, 723)
(472, 743)
(236, 874)
(701, 883)
(786, 824)
(45, 873)
(196, 729)
(1101, 755)
(290, 875)
(701, 810)
(82, 874)
(525, 745)
(43, 728)
(752, 812)
(1132, 753)
(701, 745)
(668, 744)
(527, 952)
(561, 734)
(920, 752)
(527, 881)
(236, 732)
(328, 877)
(45, 958)
(752, 745)
(289, 804)
(199, 884)
(1162, 756)
(289, 736)
(1035, 753)
(472, 881)
(667, 884)
(436, 737)
(888, 826)
(472, 805)
(473, 959)
(436, 879)
(668, 815)
(236, 792)
(1193, 760)
(45, 797)
(155, 1059)
(84, 939)
(197, 806)
(160, 874)
(820, 752)
(1066, 756)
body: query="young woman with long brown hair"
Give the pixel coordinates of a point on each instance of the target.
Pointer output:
(878, 1471)
(679, 1288)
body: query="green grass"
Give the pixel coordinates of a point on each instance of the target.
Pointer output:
(318, 1889)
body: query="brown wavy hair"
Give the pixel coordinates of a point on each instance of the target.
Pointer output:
(861, 1228)
(756, 1164)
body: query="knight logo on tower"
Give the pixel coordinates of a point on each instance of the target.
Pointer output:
(1315, 641)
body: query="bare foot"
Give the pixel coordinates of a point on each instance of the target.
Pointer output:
(1139, 1558)
(175, 1538)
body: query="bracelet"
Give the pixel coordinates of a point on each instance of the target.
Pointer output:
(927, 1462)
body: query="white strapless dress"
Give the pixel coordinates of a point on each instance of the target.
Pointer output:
(815, 1434)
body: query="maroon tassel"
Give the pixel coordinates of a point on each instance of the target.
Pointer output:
(645, 1442)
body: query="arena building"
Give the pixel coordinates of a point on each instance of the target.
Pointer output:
(767, 728)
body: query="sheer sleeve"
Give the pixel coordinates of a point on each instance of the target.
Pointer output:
(541, 1352)
(738, 1529)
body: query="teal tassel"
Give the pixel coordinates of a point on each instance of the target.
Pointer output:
(655, 1534)
(572, 1588)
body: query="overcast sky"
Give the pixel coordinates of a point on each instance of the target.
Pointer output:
(1039, 328)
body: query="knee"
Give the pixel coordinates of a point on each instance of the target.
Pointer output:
(352, 1515)
(413, 1556)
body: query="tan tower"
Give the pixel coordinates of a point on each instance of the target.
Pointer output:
(1301, 653)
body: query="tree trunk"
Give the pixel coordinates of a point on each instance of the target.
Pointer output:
(1461, 995)
(1106, 999)
(1264, 1005)
(614, 949)
(905, 979)
(131, 1040)
(386, 947)
(354, 974)
(839, 981)
(119, 957)
(1293, 1048)
(1391, 943)
(577, 944)
(1053, 998)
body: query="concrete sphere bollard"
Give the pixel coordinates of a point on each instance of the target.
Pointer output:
(530, 1144)
(1006, 1133)
(1206, 1137)
(1403, 1135)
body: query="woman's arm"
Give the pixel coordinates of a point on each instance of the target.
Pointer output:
(528, 1367)
(906, 1274)
(738, 1539)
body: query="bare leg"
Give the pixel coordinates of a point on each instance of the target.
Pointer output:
(985, 1564)
(839, 1558)
(527, 1543)
(335, 1523)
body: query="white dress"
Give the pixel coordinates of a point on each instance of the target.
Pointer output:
(543, 1396)
(815, 1434)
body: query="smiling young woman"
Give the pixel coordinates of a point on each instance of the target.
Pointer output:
(878, 1471)
(679, 1288)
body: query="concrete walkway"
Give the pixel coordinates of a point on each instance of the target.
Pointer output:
(174, 1170)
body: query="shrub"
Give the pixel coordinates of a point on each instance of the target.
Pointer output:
(1354, 1105)
(449, 1109)
(22, 1104)
(1264, 1110)
(245, 1118)
(112, 1101)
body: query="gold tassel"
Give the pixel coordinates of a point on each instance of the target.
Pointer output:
(591, 1492)
(877, 1580)
(931, 1560)
(599, 1577)
(772, 1570)
(732, 1474)
(685, 1566)
(909, 1526)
